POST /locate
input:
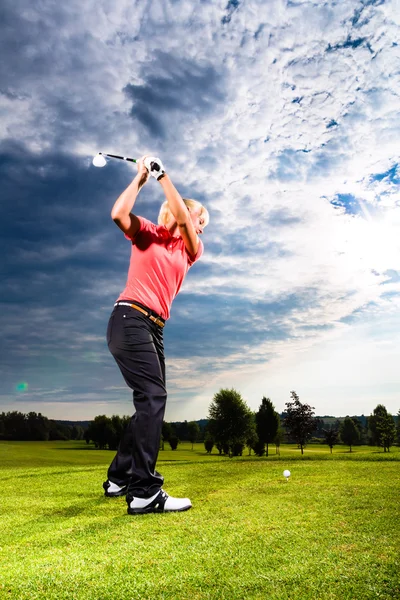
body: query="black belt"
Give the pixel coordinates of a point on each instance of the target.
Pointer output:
(156, 320)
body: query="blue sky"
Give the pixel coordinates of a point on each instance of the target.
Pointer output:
(283, 119)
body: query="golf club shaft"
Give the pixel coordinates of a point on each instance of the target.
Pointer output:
(120, 157)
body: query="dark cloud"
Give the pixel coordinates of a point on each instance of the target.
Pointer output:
(222, 324)
(176, 88)
(359, 20)
(231, 7)
(350, 42)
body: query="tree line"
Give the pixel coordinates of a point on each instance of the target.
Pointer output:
(36, 427)
(231, 426)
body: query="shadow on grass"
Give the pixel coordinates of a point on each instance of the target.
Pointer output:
(84, 448)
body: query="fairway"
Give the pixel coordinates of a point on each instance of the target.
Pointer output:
(331, 532)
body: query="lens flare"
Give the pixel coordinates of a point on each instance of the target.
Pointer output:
(21, 387)
(99, 161)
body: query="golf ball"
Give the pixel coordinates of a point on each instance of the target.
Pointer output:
(99, 161)
(286, 473)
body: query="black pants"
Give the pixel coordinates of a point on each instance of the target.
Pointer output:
(137, 345)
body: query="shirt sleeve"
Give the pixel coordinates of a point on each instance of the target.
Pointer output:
(145, 225)
(200, 251)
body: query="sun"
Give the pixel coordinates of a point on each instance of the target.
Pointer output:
(373, 243)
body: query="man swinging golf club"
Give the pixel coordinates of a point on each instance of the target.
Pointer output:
(161, 255)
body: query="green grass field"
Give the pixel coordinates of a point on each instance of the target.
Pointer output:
(331, 532)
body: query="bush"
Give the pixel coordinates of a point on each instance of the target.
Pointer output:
(209, 445)
(259, 448)
(173, 442)
(237, 449)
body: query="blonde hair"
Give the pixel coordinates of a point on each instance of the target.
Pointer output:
(165, 211)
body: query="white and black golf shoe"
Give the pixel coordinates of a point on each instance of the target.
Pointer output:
(112, 490)
(159, 503)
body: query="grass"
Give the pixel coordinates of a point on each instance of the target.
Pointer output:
(331, 532)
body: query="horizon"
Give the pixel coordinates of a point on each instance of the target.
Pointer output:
(283, 121)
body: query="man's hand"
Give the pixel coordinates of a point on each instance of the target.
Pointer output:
(154, 166)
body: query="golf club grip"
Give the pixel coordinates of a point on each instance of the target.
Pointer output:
(121, 157)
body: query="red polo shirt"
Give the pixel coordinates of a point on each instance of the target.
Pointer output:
(158, 265)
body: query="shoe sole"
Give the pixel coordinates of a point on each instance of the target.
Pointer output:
(116, 495)
(152, 509)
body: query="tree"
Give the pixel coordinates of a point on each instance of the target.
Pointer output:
(77, 432)
(267, 422)
(299, 420)
(38, 427)
(252, 437)
(331, 436)
(59, 431)
(173, 442)
(101, 431)
(115, 431)
(181, 430)
(208, 444)
(278, 439)
(15, 426)
(360, 428)
(398, 427)
(259, 448)
(230, 420)
(166, 433)
(386, 429)
(319, 427)
(349, 433)
(378, 412)
(382, 429)
(193, 430)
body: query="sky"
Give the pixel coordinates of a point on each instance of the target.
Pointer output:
(282, 118)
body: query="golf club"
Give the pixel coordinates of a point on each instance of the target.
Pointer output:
(100, 161)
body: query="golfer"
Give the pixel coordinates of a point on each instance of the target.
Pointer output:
(161, 256)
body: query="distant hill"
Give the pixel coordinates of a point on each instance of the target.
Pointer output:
(83, 424)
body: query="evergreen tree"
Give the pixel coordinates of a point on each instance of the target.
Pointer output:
(252, 437)
(193, 432)
(299, 420)
(361, 429)
(166, 433)
(331, 436)
(267, 422)
(278, 439)
(349, 433)
(101, 431)
(230, 420)
(381, 428)
(379, 412)
(208, 443)
(173, 441)
(386, 430)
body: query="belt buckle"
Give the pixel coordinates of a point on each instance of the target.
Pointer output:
(156, 320)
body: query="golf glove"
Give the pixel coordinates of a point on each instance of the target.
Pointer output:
(154, 166)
